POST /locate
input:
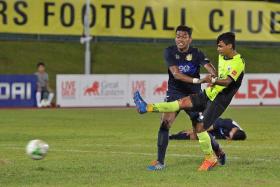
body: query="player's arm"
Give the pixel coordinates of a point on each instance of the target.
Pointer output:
(185, 78)
(205, 62)
(235, 71)
(211, 69)
(216, 81)
(222, 82)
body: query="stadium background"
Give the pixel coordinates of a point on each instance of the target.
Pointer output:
(129, 38)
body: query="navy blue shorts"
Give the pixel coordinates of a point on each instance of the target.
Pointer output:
(173, 96)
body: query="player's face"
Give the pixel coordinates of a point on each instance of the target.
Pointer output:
(232, 132)
(224, 49)
(41, 69)
(183, 40)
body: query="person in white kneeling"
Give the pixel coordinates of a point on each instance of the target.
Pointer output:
(44, 93)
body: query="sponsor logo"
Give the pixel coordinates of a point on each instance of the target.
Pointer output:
(259, 89)
(184, 69)
(104, 88)
(177, 57)
(94, 89)
(68, 89)
(139, 85)
(234, 73)
(16, 90)
(161, 89)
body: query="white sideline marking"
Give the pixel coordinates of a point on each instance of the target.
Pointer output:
(148, 154)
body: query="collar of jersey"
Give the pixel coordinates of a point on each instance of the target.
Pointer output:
(188, 51)
(235, 56)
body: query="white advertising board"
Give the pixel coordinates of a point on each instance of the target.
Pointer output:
(117, 90)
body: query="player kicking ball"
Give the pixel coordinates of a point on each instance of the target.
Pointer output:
(213, 101)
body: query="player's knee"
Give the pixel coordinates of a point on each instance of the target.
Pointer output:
(185, 103)
(165, 125)
(194, 117)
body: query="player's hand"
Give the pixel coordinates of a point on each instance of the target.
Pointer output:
(207, 79)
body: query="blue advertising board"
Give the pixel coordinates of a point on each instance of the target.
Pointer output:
(18, 90)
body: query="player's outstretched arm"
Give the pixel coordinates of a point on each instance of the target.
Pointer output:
(185, 78)
(222, 82)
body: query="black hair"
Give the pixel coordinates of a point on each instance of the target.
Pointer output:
(185, 29)
(227, 38)
(41, 64)
(239, 135)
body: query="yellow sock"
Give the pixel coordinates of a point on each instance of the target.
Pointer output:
(164, 107)
(205, 143)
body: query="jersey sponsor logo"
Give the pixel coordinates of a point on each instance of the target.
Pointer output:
(93, 89)
(177, 57)
(234, 73)
(184, 68)
(161, 89)
(189, 57)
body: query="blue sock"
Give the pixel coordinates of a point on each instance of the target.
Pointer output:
(214, 143)
(163, 137)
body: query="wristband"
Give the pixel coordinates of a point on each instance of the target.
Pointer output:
(195, 81)
(213, 80)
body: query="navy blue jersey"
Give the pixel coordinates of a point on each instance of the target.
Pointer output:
(222, 127)
(189, 63)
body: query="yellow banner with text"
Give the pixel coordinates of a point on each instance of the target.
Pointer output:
(250, 20)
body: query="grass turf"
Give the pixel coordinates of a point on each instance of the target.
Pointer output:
(112, 147)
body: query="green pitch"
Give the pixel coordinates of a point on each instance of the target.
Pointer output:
(112, 147)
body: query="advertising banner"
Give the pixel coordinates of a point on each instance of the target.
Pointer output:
(92, 90)
(117, 90)
(17, 90)
(259, 89)
(250, 20)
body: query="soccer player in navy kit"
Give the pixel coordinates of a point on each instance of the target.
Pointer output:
(184, 64)
(222, 129)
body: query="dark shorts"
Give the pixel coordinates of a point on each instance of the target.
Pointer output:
(173, 96)
(45, 94)
(216, 134)
(211, 110)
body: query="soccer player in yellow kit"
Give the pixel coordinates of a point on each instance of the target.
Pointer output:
(213, 101)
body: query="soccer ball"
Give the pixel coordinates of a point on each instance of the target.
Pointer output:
(37, 149)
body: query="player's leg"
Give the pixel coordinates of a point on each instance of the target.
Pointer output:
(50, 98)
(143, 107)
(163, 137)
(215, 146)
(217, 150)
(208, 117)
(38, 97)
